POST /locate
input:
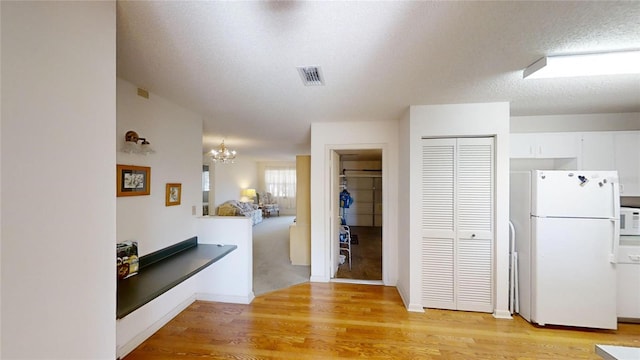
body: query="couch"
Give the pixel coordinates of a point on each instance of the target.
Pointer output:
(239, 208)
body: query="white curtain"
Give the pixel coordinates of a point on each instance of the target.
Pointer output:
(281, 183)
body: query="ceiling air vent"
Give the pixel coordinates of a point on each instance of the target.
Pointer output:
(311, 75)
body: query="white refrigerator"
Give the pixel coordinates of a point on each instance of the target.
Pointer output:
(567, 236)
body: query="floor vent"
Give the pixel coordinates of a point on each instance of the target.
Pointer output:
(311, 75)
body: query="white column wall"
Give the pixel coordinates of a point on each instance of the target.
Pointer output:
(231, 278)
(58, 163)
(326, 137)
(404, 215)
(488, 119)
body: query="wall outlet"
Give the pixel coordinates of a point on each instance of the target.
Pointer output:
(193, 210)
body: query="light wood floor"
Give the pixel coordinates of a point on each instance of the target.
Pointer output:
(335, 320)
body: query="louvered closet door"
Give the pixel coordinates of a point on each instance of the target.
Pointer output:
(457, 223)
(475, 224)
(438, 225)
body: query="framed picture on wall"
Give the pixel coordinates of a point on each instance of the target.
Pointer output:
(133, 180)
(173, 194)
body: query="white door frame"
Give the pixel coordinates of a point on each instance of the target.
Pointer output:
(332, 201)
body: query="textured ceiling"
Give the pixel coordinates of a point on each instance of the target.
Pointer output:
(235, 62)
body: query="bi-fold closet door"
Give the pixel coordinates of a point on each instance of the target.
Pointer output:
(457, 223)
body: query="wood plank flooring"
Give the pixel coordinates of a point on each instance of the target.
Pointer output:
(337, 320)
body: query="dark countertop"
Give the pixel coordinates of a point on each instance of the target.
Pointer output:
(157, 278)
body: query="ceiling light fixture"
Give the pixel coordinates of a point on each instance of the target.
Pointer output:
(131, 145)
(612, 63)
(223, 155)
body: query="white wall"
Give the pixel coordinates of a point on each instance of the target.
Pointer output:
(575, 122)
(0, 185)
(231, 278)
(58, 156)
(175, 134)
(404, 214)
(326, 137)
(230, 179)
(453, 121)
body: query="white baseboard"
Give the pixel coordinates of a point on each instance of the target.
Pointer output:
(415, 308)
(226, 298)
(410, 307)
(355, 281)
(502, 314)
(315, 278)
(123, 350)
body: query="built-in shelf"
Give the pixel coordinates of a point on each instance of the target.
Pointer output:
(162, 270)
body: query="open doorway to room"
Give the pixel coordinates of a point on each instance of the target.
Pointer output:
(360, 214)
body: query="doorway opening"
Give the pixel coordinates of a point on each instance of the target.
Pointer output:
(359, 204)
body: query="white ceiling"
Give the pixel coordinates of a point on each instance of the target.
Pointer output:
(235, 62)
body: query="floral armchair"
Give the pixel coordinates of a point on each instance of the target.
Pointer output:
(268, 204)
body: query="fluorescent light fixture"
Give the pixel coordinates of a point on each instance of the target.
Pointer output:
(613, 63)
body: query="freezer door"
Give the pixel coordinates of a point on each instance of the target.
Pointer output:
(575, 194)
(574, 281)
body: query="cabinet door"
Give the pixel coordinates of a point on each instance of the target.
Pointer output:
(558, 145)
(627, 161)
(521, 146)
(598, 151)
(545, 145)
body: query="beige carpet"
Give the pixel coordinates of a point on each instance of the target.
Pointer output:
(272, 269)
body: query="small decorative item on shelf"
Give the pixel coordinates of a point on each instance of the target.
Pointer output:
(173, 194)
(127, 259)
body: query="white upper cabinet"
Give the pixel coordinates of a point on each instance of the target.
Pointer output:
(595, 150)
(545, 145)
(614, 150)
(598, 151)
(627, 161)
(522, 145)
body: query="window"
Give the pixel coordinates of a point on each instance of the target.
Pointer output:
(205, 178)
(205, 189)
(281, 183)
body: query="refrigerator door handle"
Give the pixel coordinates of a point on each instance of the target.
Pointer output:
(613, 257)
(615, 241)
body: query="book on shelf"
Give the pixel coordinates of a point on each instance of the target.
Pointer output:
(127, 259)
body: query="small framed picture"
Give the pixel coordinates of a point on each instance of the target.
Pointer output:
(174, 192)
(133, 180)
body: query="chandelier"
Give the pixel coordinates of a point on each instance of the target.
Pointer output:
(223, 155)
